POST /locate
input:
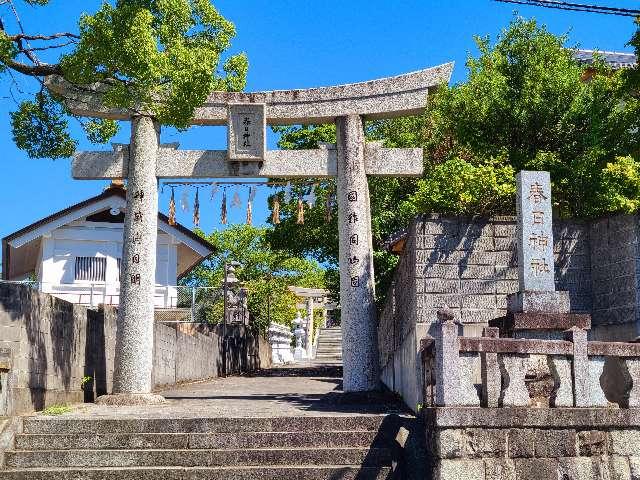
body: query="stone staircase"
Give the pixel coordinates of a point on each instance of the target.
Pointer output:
(329, 349)
(286, 448)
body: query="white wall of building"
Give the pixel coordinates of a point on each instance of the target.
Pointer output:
(63, 245)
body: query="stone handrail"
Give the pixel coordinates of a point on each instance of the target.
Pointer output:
(509, 370)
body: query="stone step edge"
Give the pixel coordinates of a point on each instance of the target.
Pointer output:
(328, 436)
(64, 418)
(262, 432)
(69, 425)
(194, 450)
(172, 467)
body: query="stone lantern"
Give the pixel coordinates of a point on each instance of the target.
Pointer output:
(299, 353)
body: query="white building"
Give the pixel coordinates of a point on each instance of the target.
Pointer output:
(75, 254)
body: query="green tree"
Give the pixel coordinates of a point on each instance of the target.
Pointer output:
(157, 57)
(264, 271)
(527, 104)
(318, 236)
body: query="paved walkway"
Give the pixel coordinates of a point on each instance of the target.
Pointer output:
(273, 393)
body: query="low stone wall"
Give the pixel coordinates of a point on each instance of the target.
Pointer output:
(48, 346)
(578, 421)
(533, 444)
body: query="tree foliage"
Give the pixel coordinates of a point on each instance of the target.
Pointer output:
(526, 104)
(264, 271)
(318, 236)
(156, 57)
(529, 102)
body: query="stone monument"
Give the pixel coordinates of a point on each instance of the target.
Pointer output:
(537, 309)
(246, 115)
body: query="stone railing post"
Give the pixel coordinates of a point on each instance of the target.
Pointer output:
(491, 378)
(580, 366)
(587, 371)
(454, 374)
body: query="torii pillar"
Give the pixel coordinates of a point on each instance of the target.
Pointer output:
(357, 286)
(246, 115)
(134, 337)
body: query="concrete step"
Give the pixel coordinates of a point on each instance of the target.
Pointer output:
(317, 472)
(71, 425)
(373, 457)
(181, 441)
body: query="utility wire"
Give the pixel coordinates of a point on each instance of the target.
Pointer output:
(578, 7)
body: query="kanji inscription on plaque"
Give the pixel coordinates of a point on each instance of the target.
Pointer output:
(247, 125)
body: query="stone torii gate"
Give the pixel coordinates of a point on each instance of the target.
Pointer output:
(145, 161)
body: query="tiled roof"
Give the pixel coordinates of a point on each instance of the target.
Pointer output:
(616, 60)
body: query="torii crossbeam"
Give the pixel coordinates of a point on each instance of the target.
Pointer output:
(247, 115)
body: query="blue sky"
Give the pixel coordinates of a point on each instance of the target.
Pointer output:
(290, 44)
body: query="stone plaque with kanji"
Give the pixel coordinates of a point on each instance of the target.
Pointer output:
(535, 232)
(247, 125)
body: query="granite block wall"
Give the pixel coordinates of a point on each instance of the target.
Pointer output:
(615, 270)
(566, 447)
(470, 266)
(48, 346)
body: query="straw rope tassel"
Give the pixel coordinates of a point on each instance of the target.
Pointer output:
(300, 220)
(172, 207)
(328, 205)
(196, 209)
(249, 213)
(275, 214)
(223, 216)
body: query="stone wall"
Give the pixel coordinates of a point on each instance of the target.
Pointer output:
(47, 347)
(533, 444)
(470, 266)
(616, 278)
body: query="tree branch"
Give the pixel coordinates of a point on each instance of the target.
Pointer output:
(48, 47)
(22, 36)
(40, 70)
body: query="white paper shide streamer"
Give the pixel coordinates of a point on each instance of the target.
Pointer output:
(184, 200)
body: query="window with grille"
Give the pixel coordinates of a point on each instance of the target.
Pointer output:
(91, 269)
